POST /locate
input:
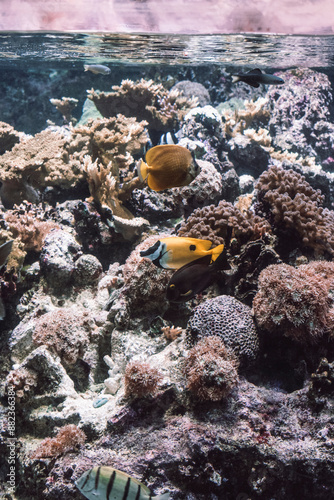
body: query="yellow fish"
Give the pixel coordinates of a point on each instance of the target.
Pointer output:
(167, 166)
(107, 483)
(174, 252)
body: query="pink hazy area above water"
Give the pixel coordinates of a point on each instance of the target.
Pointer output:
(170, 16)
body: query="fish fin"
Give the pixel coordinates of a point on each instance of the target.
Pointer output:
(255, 71)
(221, 261)
(164, 496)
(189, 292)
(253, 84)
(235, 78)
(217, 251)
(142, 169)
(152, 184)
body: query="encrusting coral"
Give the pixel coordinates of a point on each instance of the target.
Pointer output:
(141, 379)
(145, 100)
(211, 369)
(64, 331)
(290, 204)
(68, 438)
(231, 321)
(295, 302)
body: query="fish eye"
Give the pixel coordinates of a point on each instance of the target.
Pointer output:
(172, 286)
(192, 247)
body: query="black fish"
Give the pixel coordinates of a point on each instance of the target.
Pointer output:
(255, 76)
(195, 277)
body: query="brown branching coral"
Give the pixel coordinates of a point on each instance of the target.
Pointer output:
(211, 370)
(141, 380)
(218, 223)
(8, 137)
(295, 302)
(27, 224)
(65, 106)
(144, 99)
(64, 331)
(255, 115)
(67, 439)
(289, 203)
(47, 159)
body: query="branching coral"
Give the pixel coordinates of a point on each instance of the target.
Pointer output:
(144, 99)
(295, 302)
(27, 223)
(8, 137)
(67, 439)
(141, 379)
(228, 319)
(211, 370)
(65, 106)
(255, 115)
(64, 331)
(289, 203)
(218, 223)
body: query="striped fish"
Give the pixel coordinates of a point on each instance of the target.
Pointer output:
(108, 483)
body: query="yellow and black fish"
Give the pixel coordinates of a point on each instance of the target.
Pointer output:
(195, 277)
(174, 252)
(108, 483)
(167, 166)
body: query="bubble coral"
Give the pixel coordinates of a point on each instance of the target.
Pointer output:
(290, 204)
(67, 439)
(230, 320)
(295, 302)
(211, 369)
(141, 379)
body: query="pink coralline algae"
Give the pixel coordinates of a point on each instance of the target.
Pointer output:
(296, 302)
(68, 438)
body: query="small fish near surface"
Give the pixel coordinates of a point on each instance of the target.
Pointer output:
(97, 69)
(174, 252)
(108, 483)
(255, 76)
(167, 166)
(195, 277)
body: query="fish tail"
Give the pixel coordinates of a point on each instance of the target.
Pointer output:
(86, 67)
(164, 496)
(221, 262)
(216, 252)
(235, 78)
(142, 169)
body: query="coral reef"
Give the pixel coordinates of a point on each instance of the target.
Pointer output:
(231, 321)
(141, 380)
(211, 369)
(67, 439)
(296, 302)
(295, 209)
(8, 137)
(217, 223)
(65, 106)
(144, 99)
